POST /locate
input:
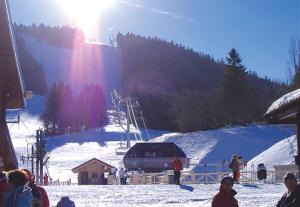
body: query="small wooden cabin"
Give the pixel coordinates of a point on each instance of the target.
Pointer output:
(11, 88)
(92, 172)
(281, 170)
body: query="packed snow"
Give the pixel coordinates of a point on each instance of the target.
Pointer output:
(249, 195)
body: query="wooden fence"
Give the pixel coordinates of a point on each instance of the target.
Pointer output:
(189, 177)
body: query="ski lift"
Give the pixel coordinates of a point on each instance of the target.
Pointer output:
(124, 147)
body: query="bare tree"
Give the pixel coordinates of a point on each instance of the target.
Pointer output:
(293, 64)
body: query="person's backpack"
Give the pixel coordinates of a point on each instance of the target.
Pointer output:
(230, 165)
(65, 202)
(37, 200)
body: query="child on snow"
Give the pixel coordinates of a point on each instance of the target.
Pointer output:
(225, 198)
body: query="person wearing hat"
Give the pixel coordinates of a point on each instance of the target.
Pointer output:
(4, 186)
(292, 197)
(225, 197)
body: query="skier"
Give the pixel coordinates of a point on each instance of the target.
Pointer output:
(176, 165)
(225, 198)
(122, 176)
(292, 197)
(234, 165)
(20, 195)
(4, 186)
(65, 202)
(40, 197)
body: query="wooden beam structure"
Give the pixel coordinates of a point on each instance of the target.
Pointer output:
(11, 88)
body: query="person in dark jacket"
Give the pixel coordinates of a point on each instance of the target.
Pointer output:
(234, 165)
(225, 198)
(40, 197)
(292, 197)
(4, 187)
(176, 165)
(65, 202)
(20, 195)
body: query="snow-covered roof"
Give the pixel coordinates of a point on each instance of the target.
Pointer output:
(284, 101)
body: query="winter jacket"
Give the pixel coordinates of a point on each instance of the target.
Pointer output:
(121, 173)
(45, 199)
(234, 165)
(290, 200)
(224, 199)
(65, 202)
(4, 187)
(176, 165)
(18, 197)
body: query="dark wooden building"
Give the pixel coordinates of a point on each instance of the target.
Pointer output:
(153, 156)
(286, 110)
(11, 88)
(92, 172)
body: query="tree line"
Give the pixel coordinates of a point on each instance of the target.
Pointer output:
(183, 90)
(66, 113)
(62, 36)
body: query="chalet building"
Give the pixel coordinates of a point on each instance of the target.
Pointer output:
(286, 110)
(11, 88)
(92, 172)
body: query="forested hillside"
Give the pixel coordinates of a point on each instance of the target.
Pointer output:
(180, 89)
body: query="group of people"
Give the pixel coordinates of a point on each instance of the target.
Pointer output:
(225, 196)
(18, 189)
(121, 173)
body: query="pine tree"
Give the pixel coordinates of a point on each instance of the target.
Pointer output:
(234, 91)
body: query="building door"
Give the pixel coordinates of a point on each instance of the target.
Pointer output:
(84, 178)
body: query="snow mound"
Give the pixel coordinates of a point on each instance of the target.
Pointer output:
(281, 153)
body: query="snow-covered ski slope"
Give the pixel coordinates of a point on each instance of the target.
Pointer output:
(89, 64)
(216, 145)
(68, 151)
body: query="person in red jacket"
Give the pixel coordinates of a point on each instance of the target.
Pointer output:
(225, 198)
(45, 179)
(176, 165)
(4, 187)
(40, 197)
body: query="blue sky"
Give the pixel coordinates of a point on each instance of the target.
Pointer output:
(259, 29)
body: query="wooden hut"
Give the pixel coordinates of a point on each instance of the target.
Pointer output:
(286, 110)
(11, 88)
(92, 172)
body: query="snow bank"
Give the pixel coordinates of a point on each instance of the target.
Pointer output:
(280, 153)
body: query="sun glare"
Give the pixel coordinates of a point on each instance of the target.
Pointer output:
(86, 13)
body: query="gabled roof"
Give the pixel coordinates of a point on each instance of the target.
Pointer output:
(10, 77)
(76, 169)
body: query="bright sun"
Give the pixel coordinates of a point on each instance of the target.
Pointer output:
(86, 13)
